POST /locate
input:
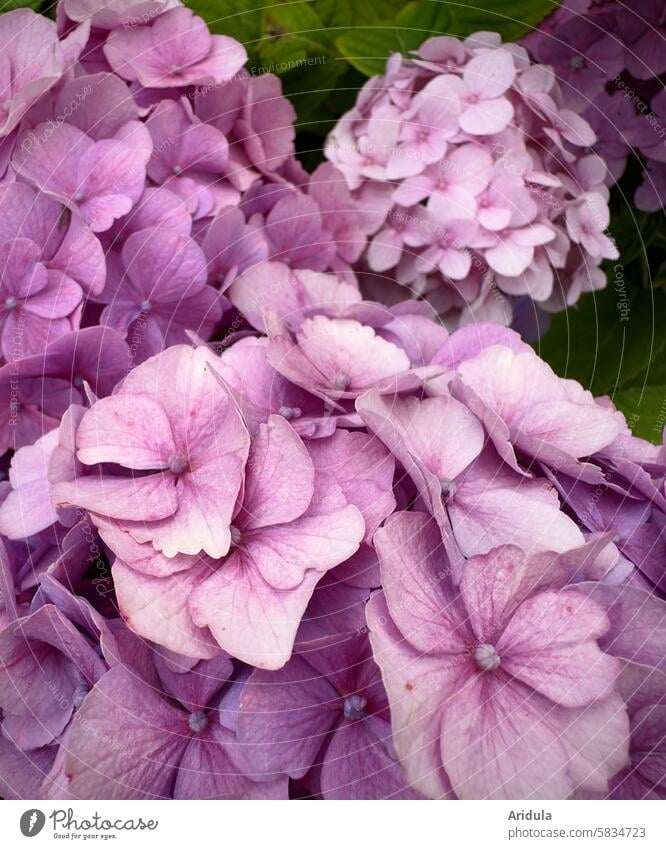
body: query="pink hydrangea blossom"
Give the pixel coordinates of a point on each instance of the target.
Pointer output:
(173, 50)
(497, 191)
(177, 410)
(238, 425)
(460, 665)
(34, 60)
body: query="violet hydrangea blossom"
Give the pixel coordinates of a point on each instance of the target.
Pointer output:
(609, 59)
(324, 718)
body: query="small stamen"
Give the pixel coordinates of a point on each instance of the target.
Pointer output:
(289, 413)
(198, 721)
(449, 489)
(354, 707)
(486, 658)
(342, 381)
(177, 170)
(145, 306)
(11, 303)
(79, 694)
(178, 463)
(235, 535)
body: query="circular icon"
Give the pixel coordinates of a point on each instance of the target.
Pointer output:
(32, 822)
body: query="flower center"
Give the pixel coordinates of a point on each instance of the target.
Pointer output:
(576, 62)
(176, 69)
(354, 707)
(342, 381)
(79, 694)
(486, 658)
(177, 170)
(198, 721)
(289, 413)
(449, 489)
(145, 306)
(235, 535)
(178, 463)
(11, 303)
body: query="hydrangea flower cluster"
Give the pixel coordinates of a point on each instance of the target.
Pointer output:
(335, 558)
(609, 58)
(262, 537)
(142, 169)
(480, 179)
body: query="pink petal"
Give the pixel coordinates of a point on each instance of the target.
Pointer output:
(414, 568)
(280, 479)
(208, 771)
(145, 736)
(283, 553)
(496, 743)
(454, 202)
(440, 432)
(158, 608)
(490, 73)
(131, 430)
(455, 264)
(360, 763)
(385, 250)
(550, 644)
(344, 347)
(28, 509)
(496, 508)
(236, 595)
(285, 716)
(363, 470)
(509, 258)
(486, 117)
(142, 499)
(415, 684)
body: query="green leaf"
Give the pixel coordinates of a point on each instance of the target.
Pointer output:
(309, 88)
(633, 231)
(610, 340)
(10, 5)
(293, 33)
(240, 19)
(335, 13)
(374, 12)
(368, 48)
(645, 409)
(511, 20)
(293, 19)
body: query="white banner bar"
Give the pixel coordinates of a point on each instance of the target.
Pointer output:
(335, 825)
